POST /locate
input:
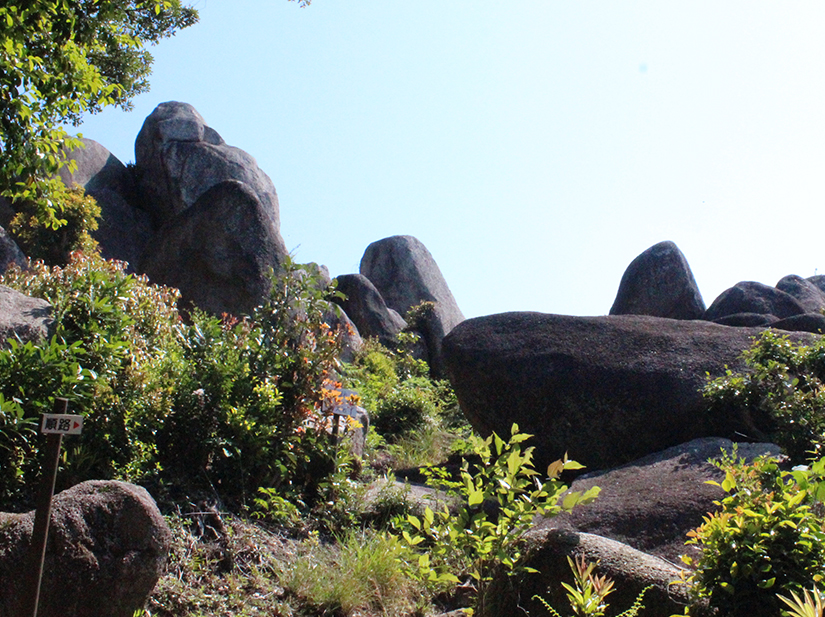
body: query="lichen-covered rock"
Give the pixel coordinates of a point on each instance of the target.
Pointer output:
(108, 545)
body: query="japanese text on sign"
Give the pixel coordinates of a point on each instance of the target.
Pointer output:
(63, 424)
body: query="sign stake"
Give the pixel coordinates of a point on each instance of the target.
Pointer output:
(40, 534)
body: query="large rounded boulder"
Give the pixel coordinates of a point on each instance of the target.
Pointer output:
(219, 251)
(606, 390)
(405, 274)
(108, 545)
(366, 308)
(23, 317)
(178, 158)
(753, 297)
(124, 228)
(659, 282)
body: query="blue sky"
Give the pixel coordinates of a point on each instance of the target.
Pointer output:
(535, 147)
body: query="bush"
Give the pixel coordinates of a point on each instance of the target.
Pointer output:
(766, 537)
(226, 405)
(781, 398)
(40, 241)
(398, 393)
(501, 495)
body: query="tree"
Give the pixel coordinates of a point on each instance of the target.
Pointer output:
(60, 59)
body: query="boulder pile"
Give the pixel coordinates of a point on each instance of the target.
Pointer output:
(198, 214)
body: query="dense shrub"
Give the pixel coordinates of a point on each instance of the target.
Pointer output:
(398, 393)
(78, 215)
(229, 404)
(767, 537)
(781, 398)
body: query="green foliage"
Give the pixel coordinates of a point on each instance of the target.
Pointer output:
(226, 405)
(398, 393)
(103, 358)
(809, 605)
(501, 495)
(588, 596)
(781, 398)
(39, 241)
(58, 60)
(363, 574)
(766, 536)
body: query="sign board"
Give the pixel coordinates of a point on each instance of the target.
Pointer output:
(61, 424)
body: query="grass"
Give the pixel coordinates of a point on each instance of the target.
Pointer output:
(363, 574)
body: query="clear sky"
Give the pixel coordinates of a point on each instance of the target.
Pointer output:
(535, 147)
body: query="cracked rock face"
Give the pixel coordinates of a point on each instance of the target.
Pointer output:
(215, 211)
(108, 545)
(178, 158)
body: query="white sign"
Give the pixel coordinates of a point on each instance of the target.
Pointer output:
(63, 424)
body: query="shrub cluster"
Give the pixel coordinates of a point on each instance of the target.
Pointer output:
(767, 537)
(781, 398)
(229, 404)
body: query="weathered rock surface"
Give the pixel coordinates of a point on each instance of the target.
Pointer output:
(659, 283)
(747, 320)
(405, 274)
(10, 253)
(23, 316)
(807, 322)
(124, 228)
(817, 280)
(367, 309)
(651, 503)
(753, 297)
(631, 570)
(179, 158)
(806, 293)
(107, 548)
(218, 251)
(606, 390)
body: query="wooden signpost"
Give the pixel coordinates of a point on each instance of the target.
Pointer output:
(54, 425)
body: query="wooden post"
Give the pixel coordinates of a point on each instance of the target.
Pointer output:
(40, 534)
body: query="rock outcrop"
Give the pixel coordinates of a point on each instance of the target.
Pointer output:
(659, 283)
(179, 158)
(367, 309)
(108, 544)
(10, 253)
(631, 571)
(24, 317)
(606, 390)
(651, 503)
(217, 213)
(405, 273)
(753, 297)
(124, 228)
(806, 293)
(218, 251)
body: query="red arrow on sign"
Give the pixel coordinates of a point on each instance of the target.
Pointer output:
(76, 424)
